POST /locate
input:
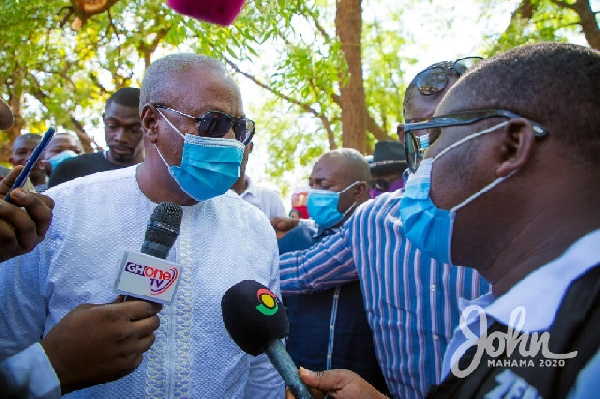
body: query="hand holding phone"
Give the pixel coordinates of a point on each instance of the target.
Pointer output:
(35, 156)
(24, 220)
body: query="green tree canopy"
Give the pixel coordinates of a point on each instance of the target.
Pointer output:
(326, 73)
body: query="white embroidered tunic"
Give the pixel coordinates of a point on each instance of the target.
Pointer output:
(223, 240)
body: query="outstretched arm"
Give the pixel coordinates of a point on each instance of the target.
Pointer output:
(326, 264)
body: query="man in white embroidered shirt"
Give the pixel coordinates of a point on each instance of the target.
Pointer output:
(194, 136)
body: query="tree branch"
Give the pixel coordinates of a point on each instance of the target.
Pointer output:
(88, 143)
(563, 4)
(321, 30)
(376, 130)
(305, 107)
(148, 50)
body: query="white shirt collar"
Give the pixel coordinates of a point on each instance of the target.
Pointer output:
(542, 291)
(250, 188)
(539, 294)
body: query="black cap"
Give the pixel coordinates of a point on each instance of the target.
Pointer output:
(253, 316)
(388, 156)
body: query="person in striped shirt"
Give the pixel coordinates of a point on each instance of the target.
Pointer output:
(411, 300)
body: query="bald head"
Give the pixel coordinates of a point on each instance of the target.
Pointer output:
(353, 165)
(345, 171)
(158, 87)
(554, 84)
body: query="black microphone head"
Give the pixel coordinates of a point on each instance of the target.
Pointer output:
(163, 229)
(253, 316)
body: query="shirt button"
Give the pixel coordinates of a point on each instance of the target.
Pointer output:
(432, 287)
(435, 337)
(331, 327)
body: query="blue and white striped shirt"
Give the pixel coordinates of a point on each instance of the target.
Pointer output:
(411, 300)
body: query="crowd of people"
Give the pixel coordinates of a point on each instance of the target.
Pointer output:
(457, 261)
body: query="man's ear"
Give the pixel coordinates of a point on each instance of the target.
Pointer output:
(516, 147)
(360, 190)
(148, 119)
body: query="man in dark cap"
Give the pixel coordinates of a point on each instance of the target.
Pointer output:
(387, 167)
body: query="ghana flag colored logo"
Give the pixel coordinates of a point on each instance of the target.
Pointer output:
(267, 302)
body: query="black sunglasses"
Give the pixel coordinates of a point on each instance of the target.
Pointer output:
(216, 124)
(412, 147)
(435, 78)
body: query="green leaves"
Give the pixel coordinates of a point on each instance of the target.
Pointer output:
(286, 54)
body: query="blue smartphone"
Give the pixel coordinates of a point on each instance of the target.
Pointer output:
(35, 156)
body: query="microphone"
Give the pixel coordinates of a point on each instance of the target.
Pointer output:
(222, 12)
(161, 232)
(256, 321)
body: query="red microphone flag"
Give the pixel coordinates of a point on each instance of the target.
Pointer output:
(222, 12)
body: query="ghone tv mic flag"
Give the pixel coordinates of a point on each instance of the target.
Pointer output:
(256, 320)
(146, 275)
(222, 12)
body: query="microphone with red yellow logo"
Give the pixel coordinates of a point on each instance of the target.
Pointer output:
(222, 12)
(256, 321)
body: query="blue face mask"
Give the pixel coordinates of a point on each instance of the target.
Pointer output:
(209, 166)
(61, 156)
(323, 206)
(425, 225)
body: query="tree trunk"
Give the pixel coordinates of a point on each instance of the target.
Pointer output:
(348, 25)
(588, 23)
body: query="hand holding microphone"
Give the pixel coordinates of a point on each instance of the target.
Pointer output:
(95, 344)
(256, 320)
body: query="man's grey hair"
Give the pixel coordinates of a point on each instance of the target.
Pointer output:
(357, 164)
(155, 77)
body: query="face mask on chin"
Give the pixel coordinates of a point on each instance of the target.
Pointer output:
(209, 166)
(425, 225)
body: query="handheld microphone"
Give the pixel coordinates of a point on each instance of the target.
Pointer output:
(162, 231)
(256, 321)
(222, 12)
